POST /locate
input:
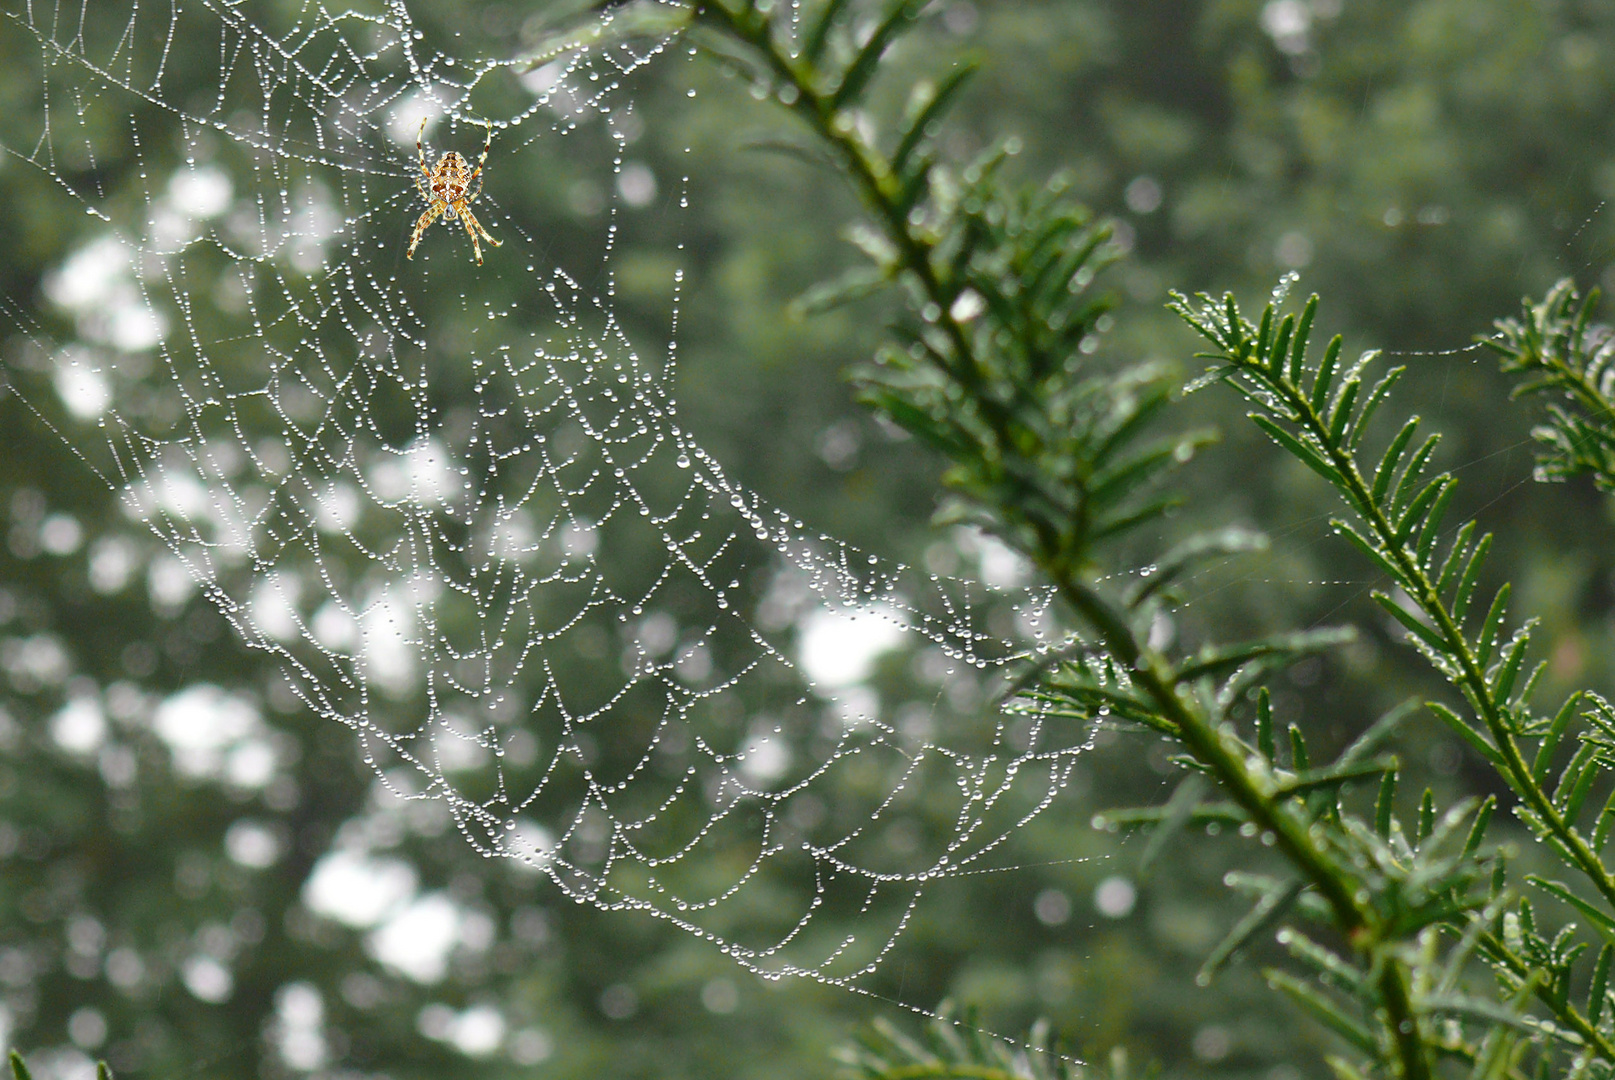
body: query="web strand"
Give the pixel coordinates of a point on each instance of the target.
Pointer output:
(466, 521)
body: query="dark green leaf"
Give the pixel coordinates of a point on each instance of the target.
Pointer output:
(1477, 829)
(1362, 544)
(819, 36)
(1376, 398)
(1289, 647)
(1414, 470)
(1508, 669)
(1411, 517)
(1604, 824)
(1572, 778)
(1151, 397)
(1383, 728)
(1298, 347)
(1265, 354)
(1471, 577)
(1322, 1009)
(1455, 556)
(802, 150)
(1599, 919)
(1298, 750)
(1268, 910)
(1326, 374)
(1429, 635)
(1477, 1008)
(1496, 1054)
(1345, 1070)
(1222, 813)
(1115, 524)
(1175, 814)
(1393, 457)
(1181, 558)
(1470, 735)
(1598, 994)
(1333, 776)
(855, 284)
(1320, 959)
(1281, 344)
(1430, 531)
(864, 65)
(1264, 726)
(1385, 805)
(1487, 641)
(1132, 472)
(1305, 454)
(1340, 412)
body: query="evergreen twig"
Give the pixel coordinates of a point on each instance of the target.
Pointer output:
(991, 367)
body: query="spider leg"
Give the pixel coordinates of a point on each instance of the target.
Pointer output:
(420, 151)
(421, 226)
(476, 174)
(472, 222)
(471, 229)
(487, 144)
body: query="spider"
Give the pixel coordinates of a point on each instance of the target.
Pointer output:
(447, 191)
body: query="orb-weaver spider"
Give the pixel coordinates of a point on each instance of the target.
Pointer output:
(447, 190)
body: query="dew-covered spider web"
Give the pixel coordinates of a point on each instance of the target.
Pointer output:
(457, 503)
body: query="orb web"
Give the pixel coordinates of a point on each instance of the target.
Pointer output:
(457, 504)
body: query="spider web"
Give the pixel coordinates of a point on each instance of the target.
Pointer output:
(457, 504)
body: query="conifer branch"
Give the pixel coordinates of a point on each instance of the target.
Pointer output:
(1399, 522)
(1570, 360)
(1049, 460)
(989, 368)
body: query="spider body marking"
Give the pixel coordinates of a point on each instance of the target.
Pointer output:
(447, 189)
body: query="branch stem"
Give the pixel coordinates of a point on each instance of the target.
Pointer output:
(1517, 770)
(874, 179)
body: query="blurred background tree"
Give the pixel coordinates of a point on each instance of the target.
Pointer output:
(1422, 165)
